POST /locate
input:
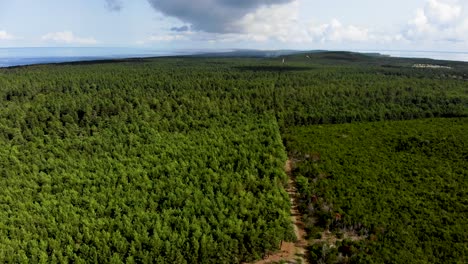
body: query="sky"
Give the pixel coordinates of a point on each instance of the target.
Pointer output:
(430, 25)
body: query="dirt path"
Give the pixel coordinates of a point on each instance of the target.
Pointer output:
(291, 252)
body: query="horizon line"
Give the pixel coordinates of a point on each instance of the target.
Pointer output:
(231, 49)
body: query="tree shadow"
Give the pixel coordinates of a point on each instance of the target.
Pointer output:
(104, 61)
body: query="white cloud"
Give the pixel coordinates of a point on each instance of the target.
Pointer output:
(442, 12)
(165, 38)
(169, 37)
(283, 23)
(67, 37)
(439, 20)
(419, 27)
(5, 35)
(278, 22)
(435, 24)
(335, 31)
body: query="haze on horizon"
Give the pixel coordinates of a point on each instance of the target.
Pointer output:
(438, 25)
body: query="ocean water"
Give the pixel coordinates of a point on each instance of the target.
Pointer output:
(26, 56)
(436, 55)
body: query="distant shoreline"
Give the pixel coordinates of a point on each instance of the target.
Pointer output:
(455, 56)
(18, 57)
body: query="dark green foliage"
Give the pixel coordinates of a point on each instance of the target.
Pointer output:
(403, 185)
(179, 160)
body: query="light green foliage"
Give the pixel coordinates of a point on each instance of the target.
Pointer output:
(108, 163)
(175, 160)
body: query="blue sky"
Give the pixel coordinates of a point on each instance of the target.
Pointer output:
(440, 25)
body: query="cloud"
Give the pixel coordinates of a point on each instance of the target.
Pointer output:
(442, 12)
(279, 22)
(335, 31)
(276, 20)
(67, 37)
(163, 38)
(439, 20)
(282, 23)
(180, 29)
(214, 16)
(114, 5)
(5, 35)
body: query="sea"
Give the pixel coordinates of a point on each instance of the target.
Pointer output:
(28, 56)
(435, 55)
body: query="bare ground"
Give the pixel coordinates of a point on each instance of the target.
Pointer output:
(330, 239)
(291, 252)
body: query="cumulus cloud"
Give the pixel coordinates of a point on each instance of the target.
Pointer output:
(439, 20)
(264, 21)
(164, 38)
(5, 35)
(67, 37)
(214, 16)
(114, 5)
(335, 31)
(180, 29)
(442, 12)
(282, 23)
(252, 20)
(160, 38)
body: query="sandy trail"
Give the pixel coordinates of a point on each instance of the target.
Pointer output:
(291, 252)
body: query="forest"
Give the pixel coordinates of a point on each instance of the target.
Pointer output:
(401, 186)
(181, 159)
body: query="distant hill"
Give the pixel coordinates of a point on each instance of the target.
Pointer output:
(332, 57)
(256, 53)
(346, 55)
(317, 57)
(322, 55)
(369, 59)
